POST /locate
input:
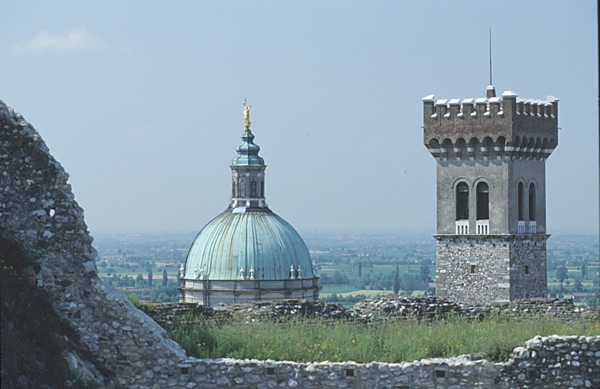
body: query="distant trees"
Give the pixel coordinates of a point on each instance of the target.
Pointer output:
(397, 280)
(336, 279)
(150, 277)
(165, 278)
(583, 270)
(139, 281)
(562, 273)
(577, 286)
(424, 273)
(407, 283)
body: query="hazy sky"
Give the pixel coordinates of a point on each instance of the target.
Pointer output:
(141, 102)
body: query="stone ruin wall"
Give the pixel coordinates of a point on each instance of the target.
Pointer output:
(549, 362)
(117, 342)
(118, 346)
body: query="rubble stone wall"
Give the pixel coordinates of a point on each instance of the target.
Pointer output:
(494, 268)
(549, 362)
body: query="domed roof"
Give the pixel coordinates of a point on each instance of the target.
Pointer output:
(247, 239)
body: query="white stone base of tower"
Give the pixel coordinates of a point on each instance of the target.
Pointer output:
(475, 269)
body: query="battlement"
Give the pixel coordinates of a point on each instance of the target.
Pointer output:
(490, 127)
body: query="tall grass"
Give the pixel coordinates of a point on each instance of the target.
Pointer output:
(304, 340)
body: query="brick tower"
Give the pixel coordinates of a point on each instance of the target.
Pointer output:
(490, 157)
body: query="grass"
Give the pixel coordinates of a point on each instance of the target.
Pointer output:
(305, 340)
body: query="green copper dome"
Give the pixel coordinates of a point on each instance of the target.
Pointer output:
(258, 242)
(248, 241)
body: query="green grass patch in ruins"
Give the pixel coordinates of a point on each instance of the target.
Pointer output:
(309, 340)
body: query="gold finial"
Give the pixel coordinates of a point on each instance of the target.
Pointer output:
(246, 115)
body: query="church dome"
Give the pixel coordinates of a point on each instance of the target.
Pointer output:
(247, 253)
(240, 243)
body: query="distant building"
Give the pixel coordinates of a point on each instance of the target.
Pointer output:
(247, 252)
(491, 194)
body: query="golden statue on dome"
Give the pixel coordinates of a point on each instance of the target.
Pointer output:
(246, 115)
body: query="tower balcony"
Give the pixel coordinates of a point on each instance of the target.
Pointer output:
(462, 227)
(521, 227)
(483, 227)
(532, 227)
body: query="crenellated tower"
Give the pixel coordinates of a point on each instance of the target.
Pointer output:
(490, 157)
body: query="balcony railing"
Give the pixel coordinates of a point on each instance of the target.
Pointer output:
(462, 227)
(483, 227)
(532, 227)
(521, 227)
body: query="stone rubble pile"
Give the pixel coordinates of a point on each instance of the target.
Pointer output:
(433, 308)
(391, 307)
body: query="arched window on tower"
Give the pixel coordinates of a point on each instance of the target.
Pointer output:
(462, 201)
(483, 208)
(532, 223)
(262, 189)
(521, 208)
(462, 209)
(253, 189)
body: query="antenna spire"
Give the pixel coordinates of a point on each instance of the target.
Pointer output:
(491, 55)
(491, 91)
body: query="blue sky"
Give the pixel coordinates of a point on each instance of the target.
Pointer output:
(141, 102)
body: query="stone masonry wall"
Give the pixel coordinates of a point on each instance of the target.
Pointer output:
(549, 362)
(486, 269)
(487, 282)
(528, 267)
(120, 347)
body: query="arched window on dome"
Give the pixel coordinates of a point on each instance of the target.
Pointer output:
(253, 189)
(462, 201)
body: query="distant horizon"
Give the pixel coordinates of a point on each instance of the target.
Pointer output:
(329, 232)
